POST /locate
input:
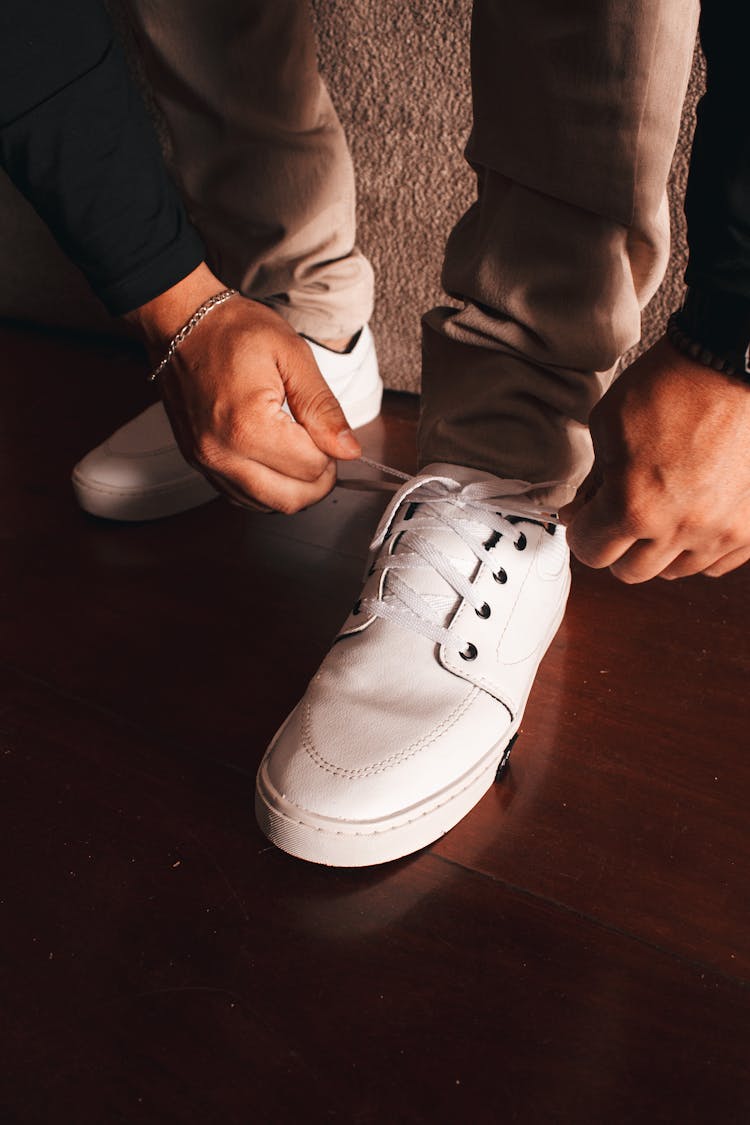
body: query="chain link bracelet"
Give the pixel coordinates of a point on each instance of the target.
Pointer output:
(187, 328)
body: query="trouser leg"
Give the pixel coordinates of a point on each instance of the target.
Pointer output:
(576, 114)
(260, 153)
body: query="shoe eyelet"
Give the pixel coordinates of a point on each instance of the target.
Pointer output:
(520, 543)
(356, 607)
(500, 576)
(493, 541)
(469, 653)
(483, 611)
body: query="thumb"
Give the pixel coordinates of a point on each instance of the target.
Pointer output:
(597, 534)
(587, 490)
(316, 408)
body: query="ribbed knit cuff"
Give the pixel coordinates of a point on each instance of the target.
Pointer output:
(718, 325)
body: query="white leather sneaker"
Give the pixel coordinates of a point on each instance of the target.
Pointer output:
(140, 474)
(405, 724)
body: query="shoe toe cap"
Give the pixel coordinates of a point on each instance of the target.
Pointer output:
(343, 767)
(106, 469)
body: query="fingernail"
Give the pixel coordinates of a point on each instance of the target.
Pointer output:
(348, 443)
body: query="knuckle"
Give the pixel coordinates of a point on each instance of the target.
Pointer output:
(312, 470)
(692, 527)
(237, 433)
(289, 504)
(288, 507)
(304, 497)
(732, 538)
(635, 516)
(205, 450)
(240, 430)
(637, 524)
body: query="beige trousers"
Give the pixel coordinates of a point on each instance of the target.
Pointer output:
(577, 107)
(260, 154)
(576, 112)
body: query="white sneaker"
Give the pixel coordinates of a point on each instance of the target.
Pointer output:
(410, 715)
(140, 474)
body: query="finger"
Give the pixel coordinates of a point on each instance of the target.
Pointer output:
(230, 492)
(687, 563)
(274, 439)
(247, 505)
(587, 490)
(644, 560)
(249, 482)
(597, 535)
(314, 405)
(728, 562)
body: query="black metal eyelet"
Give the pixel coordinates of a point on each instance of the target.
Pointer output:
(520, 543)
(469, 653)
(500, 576)
(356, 607)
(483, 611)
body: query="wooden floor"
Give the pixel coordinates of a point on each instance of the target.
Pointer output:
(576, 951)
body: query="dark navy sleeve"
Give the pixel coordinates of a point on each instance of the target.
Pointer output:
(76, 140)
(717, 204)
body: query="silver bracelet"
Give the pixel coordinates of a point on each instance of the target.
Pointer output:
(187, 328)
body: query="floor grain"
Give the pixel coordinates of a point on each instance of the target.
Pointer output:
(576, 950)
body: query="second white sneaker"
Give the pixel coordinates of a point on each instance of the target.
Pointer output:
(139, 473)
(405, 724)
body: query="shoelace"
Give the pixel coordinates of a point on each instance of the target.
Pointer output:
(471, 512)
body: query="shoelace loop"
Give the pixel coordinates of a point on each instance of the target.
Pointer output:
(470, 511)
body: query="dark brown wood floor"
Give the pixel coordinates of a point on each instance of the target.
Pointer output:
(577, 950)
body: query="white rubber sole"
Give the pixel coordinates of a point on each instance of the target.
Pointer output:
(340, 843)
(134, 505)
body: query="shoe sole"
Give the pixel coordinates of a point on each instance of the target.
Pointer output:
(190, 491)
(136, 505)
(340, 843)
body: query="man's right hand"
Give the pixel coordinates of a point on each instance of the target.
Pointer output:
(224, 389)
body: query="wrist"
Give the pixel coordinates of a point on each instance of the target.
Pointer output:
(160, 319)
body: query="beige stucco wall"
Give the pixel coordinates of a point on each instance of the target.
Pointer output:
(398, 73)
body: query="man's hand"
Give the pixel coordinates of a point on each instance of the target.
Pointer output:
(224, 390)
(669, 493)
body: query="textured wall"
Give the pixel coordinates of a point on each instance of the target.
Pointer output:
(398, 72)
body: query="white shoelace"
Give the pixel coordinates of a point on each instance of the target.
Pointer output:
(478, 513)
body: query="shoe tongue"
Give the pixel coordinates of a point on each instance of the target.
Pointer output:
(462, 474)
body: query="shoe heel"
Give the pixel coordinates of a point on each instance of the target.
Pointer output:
(503, 764)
